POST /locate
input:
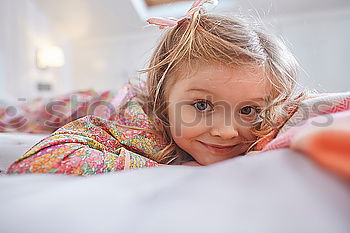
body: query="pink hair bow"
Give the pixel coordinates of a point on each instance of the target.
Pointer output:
(171, 22)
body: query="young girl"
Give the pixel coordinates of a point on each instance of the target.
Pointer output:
(216, 89)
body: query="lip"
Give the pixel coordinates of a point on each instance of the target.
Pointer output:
(219, 149)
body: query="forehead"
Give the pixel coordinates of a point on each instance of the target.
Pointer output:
(222, 80)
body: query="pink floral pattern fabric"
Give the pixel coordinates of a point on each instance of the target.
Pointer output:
(93, 145)
(326, 105)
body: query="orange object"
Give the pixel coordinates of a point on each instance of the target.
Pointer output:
(331, 149)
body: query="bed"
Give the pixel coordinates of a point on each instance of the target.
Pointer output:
(13, 145)
(275, 191)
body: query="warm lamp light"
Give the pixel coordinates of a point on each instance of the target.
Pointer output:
(49, 57)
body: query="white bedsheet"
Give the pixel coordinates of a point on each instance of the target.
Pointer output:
(275, 192)
(14, 145)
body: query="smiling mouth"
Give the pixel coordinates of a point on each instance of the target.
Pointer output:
(220, 149)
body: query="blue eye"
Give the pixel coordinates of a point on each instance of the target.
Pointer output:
(203, 106)
(248, 110)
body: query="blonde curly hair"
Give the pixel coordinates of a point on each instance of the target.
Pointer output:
(225, 40)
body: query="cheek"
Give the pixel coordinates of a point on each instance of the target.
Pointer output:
(244, 126)
(185, 122)
(246, 132)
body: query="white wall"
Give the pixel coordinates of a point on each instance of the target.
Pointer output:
(24, 28)
(108, 63)
(321, 42)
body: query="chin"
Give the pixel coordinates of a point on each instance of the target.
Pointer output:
(210, 161)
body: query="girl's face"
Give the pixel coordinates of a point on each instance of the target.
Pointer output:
(212, 110)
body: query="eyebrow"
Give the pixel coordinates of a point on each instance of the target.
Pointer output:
(200, 90)
(207, 91)
(258, 99)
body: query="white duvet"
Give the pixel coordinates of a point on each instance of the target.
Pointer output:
(273, 192)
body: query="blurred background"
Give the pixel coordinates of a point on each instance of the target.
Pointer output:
(51, 47)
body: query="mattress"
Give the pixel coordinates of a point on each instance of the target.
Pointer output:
(273, 192)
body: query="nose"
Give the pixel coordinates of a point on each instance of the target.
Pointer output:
(225, 132)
